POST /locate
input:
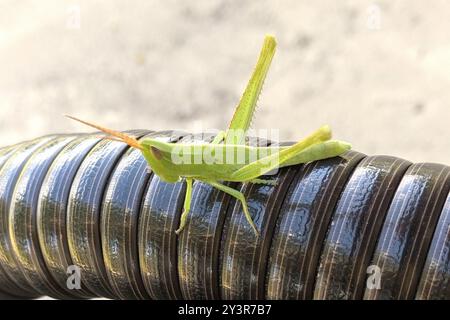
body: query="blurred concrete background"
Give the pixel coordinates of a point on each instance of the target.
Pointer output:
(377, 71)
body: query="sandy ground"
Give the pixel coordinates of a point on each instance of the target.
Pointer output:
(377, 72)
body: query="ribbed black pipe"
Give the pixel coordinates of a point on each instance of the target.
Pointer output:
(81, 200)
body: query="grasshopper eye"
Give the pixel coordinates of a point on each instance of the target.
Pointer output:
(156, 152)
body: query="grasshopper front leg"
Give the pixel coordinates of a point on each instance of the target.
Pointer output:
(187, 205)
(240, 196)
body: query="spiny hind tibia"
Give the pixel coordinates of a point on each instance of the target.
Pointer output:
(174, 161)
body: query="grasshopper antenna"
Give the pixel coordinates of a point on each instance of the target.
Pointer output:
(114, 135)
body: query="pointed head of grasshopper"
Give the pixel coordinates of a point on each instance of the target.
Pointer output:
(151, 153)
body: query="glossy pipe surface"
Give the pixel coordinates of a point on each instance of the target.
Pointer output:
(350, 227)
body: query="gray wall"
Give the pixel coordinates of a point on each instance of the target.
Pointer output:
(377, 72)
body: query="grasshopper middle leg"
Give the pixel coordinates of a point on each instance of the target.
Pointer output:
(240, 196)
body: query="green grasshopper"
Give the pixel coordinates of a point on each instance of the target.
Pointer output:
(164, 158)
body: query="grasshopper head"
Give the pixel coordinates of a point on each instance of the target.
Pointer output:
(150, 148)
(157, 153)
